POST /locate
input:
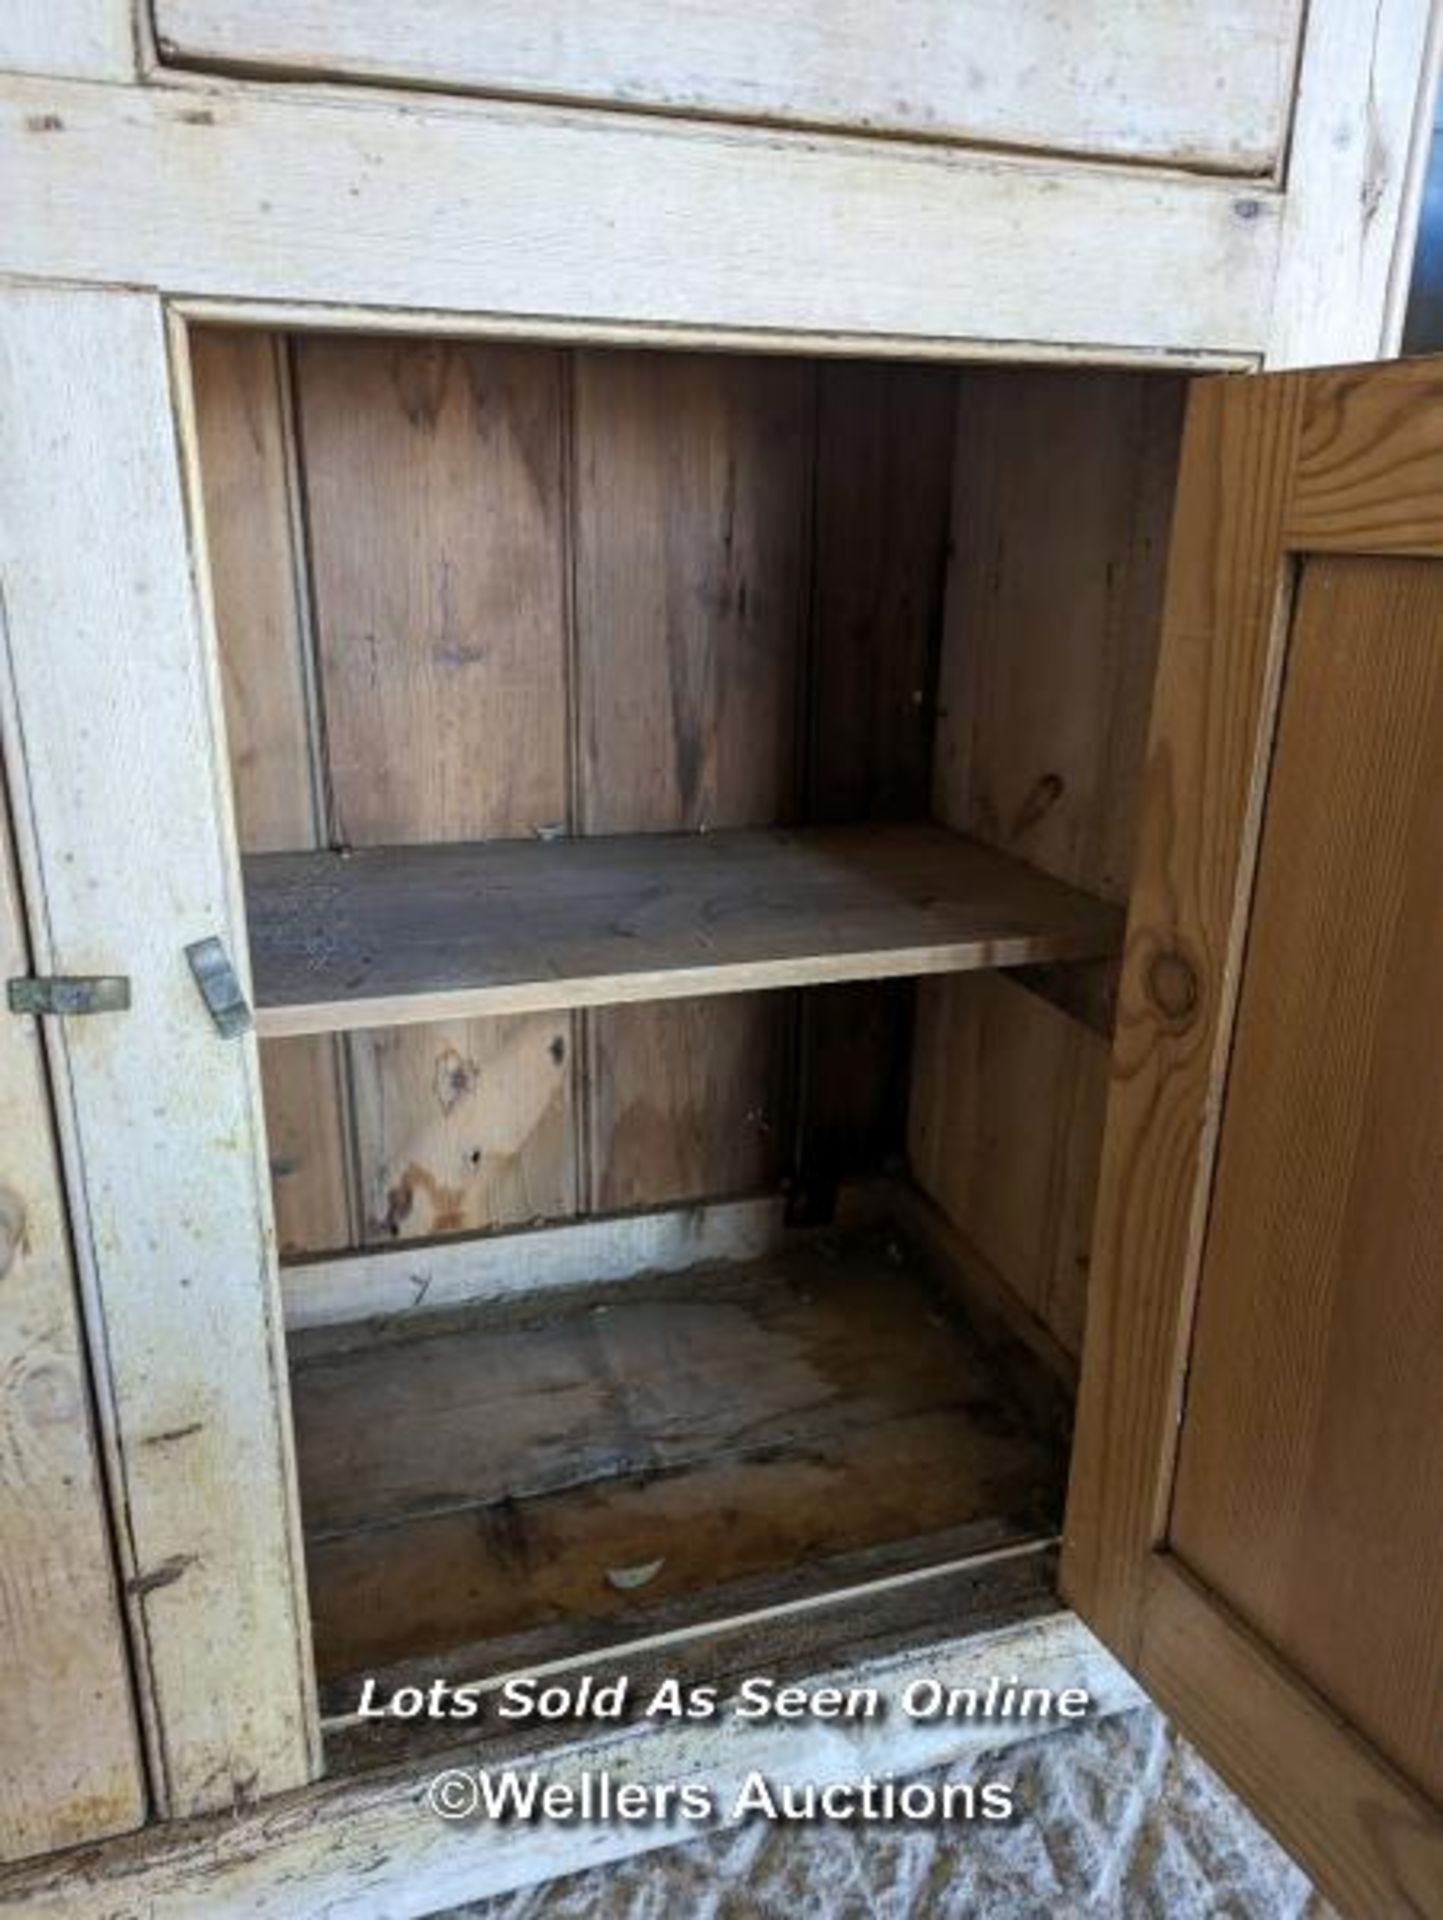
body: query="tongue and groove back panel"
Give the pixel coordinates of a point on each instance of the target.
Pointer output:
(258, 579)
(481, 590)
(476, 591)
(1060, 514)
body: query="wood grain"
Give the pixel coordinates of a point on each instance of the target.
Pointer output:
(879, 550)
(995, 72)
(386, 1597)
(1048, 658)
(990, 1130)
(475, 1484)
(692, 481)
(1370, 450)
(1309, 1490)
(693, 474)
(805, 237)
(434, 492)
(242, 413)
(690, 555)
(668, 1374)
(70, 1765)
(1257, 1410)
(111, 654)
(1222, 648)
(1369, 1840)
(405, 934)
(1362, 117)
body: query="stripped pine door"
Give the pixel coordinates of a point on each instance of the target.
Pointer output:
(1256, 1515)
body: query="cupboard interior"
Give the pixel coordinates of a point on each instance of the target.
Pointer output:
(686, 804)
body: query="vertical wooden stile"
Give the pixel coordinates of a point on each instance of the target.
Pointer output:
(70, 1765)
(110, 652)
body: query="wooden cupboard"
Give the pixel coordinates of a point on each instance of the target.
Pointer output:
(745, 859)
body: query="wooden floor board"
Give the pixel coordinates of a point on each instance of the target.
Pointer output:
(598, 1464)
(419, 933)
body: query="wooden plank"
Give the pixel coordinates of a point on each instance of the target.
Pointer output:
(434, 492)
(1223, 633)
(413, 933)
(884, 465)
(1309, 1488)
(1369, 1840)
(89, 39)
(242, 410)
(984, 1138)
(496, 1477)
(1360, 138)
(110, 655)
(690, 557)
(356, 1842)
(412, 1280)
(686, 1100)
(996, 72)
(70, 1766)
(1369, 452)
(464, 1125)
(804, 235)
(762, 1600)
(416, 1591)
(1048, 659)
(881, 526)
(668, 1374)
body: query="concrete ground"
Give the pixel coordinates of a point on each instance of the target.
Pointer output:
(1118, 1821)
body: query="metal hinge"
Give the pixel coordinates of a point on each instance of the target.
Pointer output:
(69, 993)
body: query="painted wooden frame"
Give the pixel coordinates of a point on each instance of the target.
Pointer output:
(369, 1846)
(169, 1188)
(65, 1697)
(1004, 73)
(1260, 487)
(143, 200)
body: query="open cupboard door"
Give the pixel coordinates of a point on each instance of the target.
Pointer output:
(1255, 1521)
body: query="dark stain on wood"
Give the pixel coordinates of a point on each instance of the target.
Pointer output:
(165, 1575)
(447, 1204)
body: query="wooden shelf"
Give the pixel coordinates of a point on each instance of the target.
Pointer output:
(409, 934)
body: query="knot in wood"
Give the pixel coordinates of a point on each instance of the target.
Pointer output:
(1172, 985)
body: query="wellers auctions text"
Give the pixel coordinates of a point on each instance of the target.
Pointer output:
(506, 1795)
(760, 1698)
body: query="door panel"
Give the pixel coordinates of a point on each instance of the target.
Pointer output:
(1310, 1488)
(69, 1755)
(1256, 1515)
